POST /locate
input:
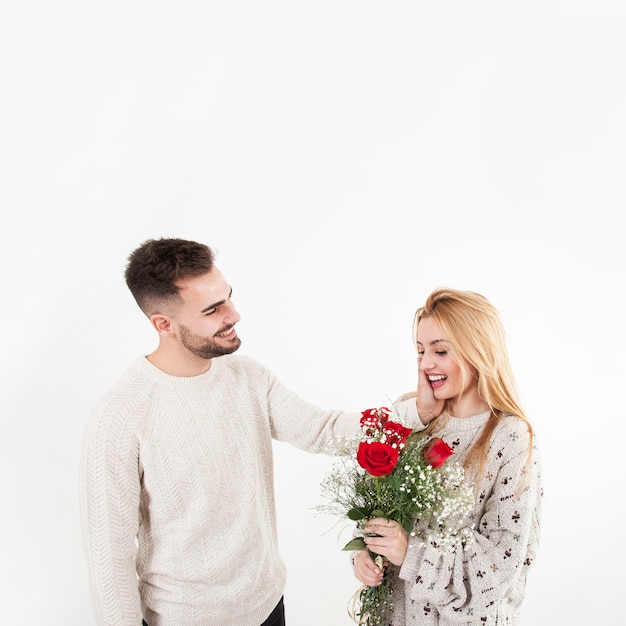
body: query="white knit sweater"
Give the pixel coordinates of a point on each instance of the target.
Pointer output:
(177, 495)
(485, 583)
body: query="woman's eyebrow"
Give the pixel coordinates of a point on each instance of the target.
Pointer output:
(434, 341)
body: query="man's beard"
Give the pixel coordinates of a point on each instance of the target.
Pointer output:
(206, 347)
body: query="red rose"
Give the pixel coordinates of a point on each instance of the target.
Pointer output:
(379, 459)
(436, 452)
(382, 413)
(396, 433)
(373, 420)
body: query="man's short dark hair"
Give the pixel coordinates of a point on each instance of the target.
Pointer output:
(155, 268)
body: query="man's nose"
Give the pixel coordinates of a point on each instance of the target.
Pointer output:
(231, 315)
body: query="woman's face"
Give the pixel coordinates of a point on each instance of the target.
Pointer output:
(443, 372)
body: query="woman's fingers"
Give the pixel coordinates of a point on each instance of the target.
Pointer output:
(387, 538)
(366, 570)
(381, 526)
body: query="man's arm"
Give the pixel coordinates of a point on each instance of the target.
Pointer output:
(109, 498)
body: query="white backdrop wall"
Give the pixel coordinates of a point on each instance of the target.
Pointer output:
(344, 158)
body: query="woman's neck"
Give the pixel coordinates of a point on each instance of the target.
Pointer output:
(468, 404)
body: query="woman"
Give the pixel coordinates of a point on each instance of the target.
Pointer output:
(463, 364)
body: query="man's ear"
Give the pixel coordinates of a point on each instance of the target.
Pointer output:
(162, 323)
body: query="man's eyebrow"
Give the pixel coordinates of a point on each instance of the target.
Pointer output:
(216, 304)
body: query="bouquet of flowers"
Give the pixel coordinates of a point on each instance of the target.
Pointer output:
(394, 473)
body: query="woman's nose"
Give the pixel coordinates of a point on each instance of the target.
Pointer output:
(424, 363)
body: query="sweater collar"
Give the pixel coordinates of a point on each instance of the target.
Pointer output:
(160, 376)
(468, 423)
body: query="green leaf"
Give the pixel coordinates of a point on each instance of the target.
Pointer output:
(377, 513)
(355, 544)
(408, 524)
(356, 514)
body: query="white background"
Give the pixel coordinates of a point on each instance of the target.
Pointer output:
(344, 158)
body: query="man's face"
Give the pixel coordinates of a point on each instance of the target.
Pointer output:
(205, 322)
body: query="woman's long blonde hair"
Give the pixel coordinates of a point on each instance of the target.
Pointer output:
(474, 328)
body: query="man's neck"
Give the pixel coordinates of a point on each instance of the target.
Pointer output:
(179, 365)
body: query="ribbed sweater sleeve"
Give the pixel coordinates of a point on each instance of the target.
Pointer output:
(110, 501)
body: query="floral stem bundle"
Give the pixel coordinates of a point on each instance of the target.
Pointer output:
(398, 475)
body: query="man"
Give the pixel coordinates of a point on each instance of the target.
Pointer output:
(177, 492)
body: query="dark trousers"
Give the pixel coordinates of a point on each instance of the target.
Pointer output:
(276, 618)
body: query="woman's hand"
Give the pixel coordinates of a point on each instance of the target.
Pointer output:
(366, 570)
(390, 540)
(428, 407)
